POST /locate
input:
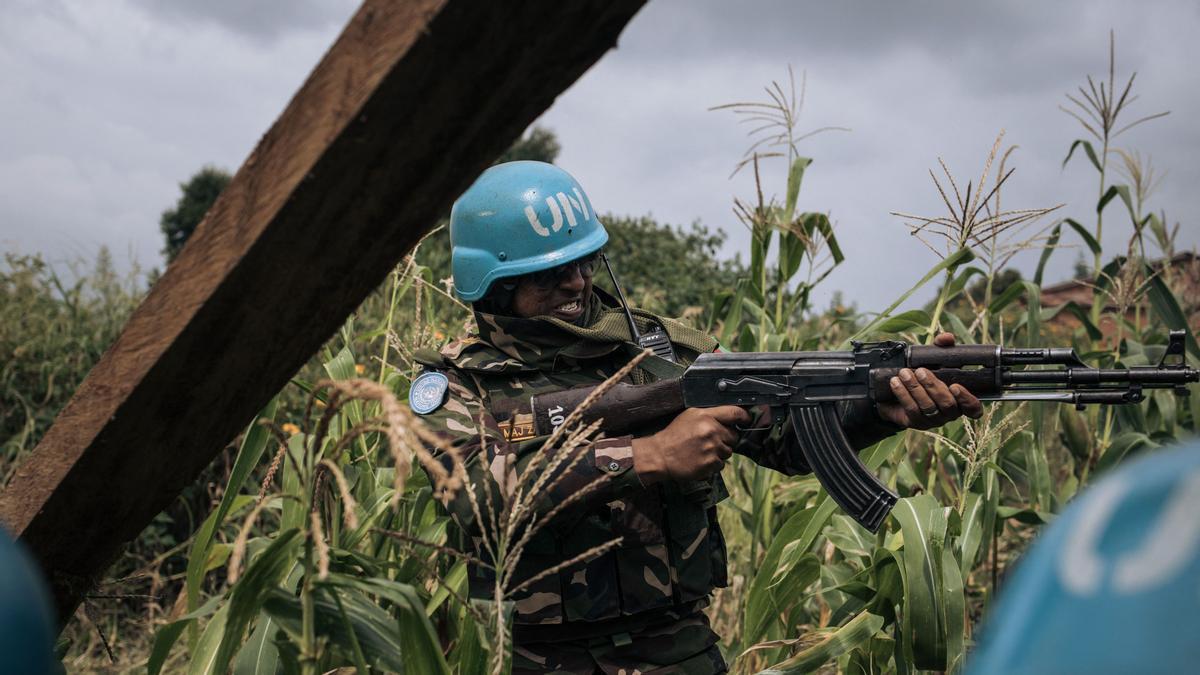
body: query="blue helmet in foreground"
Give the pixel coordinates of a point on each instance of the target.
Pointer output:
(518, 218)
(1113, 584)
(26, 620)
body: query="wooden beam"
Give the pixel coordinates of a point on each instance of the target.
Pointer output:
(411, 102)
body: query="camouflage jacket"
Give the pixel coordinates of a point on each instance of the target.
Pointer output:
(671, 553)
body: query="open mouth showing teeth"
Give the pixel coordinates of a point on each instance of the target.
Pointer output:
(569, 307)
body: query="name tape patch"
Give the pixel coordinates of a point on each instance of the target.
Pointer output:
(519, 428)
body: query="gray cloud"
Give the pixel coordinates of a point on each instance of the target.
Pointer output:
(106, 107)
(850, 30)
(915, 81)
(258, 19)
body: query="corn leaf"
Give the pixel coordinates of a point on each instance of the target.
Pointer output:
(377, 633)
(849, 537)
(972, 530)
(1167, 308)
(1050, 246)
(341, 367)
(295, 515)
(795, 177)
(1024, 515)
(262, 576)
(951, 262)
(1078, 312)
(954, 611)
(166, 636)
(422, 650)
(1113, 192)
(906, 321)
(923, 525)
(259, 656)
(204, 656)
(1087, 147)
(1087, 237)
(860, 629)
(761, 603)
(455, 579)
(1122, 445)
(254, 442)
(819, 222)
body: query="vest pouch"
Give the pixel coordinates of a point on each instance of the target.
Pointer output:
(643, 563)
(589, 590)
(542, 601)
(690, 550)
(645, 576)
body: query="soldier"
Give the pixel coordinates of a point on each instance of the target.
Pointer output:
(526, 242)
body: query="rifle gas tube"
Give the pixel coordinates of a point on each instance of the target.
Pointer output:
(808, 386)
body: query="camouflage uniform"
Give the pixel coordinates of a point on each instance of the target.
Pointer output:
(638, 607)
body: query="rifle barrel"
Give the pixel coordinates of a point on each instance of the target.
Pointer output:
(1149, 377)
(1060, 356)
(1079, 397)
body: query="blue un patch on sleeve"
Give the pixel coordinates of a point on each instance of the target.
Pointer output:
(428, 392)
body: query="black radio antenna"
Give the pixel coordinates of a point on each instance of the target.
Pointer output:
(656, 339)
(633, 329)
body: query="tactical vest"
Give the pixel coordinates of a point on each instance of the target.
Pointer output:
(672, 550)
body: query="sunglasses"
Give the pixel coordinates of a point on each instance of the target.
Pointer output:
(547, 279)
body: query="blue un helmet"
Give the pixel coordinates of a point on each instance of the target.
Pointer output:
(26, 620)
(518, 218)
(1112, 585)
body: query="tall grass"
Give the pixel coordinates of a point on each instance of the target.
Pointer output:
(55, 322)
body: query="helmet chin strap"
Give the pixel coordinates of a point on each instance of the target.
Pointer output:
(656, 339)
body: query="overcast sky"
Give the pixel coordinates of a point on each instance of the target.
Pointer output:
(106, 107)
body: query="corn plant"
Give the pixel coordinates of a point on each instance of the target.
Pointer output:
(820, 588)
(1098, 110)
(320, 586)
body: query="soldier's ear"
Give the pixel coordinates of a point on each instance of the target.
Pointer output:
(499, 298)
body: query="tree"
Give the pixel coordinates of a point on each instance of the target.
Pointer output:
(540, 144)
(667, 269)
(199, 193)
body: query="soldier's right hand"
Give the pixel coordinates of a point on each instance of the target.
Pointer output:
(694, 445)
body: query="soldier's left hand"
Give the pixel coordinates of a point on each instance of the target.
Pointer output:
(923, 401)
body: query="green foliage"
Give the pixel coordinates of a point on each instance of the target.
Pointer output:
(976, 291)
(976, 486)
(52, 330)
(667, 269)
(540, 145)
(198, 194)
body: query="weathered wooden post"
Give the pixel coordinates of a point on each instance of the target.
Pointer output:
(411, 102)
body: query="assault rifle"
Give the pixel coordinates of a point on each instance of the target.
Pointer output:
(808, 386)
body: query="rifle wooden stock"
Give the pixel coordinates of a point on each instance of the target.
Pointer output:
(625, 408)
